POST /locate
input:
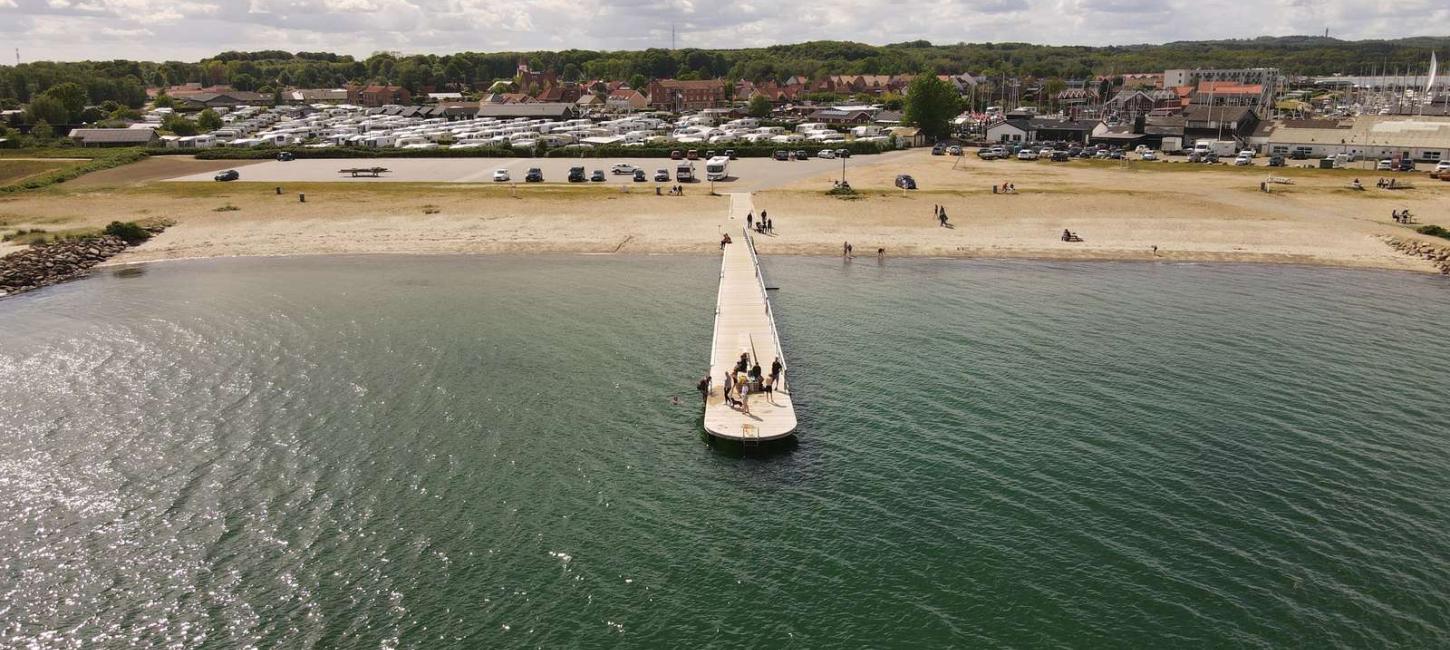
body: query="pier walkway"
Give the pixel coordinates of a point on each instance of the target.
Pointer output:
(744, 323)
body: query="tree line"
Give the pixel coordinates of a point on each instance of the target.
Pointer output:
(124, 82)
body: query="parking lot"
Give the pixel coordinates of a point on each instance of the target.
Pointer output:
(745, 174)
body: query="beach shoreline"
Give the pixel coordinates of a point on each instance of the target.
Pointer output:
(1122, 213)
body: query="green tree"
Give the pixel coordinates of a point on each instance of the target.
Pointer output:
(127, 114)
(759, 106)
(164, 100)
(638, 82)
(208, 120)
(930, 106)
(572, 72)
(91, 114)
(71, 95)
(40, 130)
(45, 108)
(179, 125)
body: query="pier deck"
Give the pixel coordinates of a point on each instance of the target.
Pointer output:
(745, 323)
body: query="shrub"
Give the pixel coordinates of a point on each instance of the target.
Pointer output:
(1433, 231)
(110, 158)
(128, 231)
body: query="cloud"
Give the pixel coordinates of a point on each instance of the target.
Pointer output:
(192, 29)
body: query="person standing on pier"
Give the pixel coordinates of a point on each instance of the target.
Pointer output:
(729, 386)
(775, 368)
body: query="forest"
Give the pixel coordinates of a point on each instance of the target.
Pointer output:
(124, 82)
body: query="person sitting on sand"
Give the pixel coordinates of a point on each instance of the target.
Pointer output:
(1066, 235)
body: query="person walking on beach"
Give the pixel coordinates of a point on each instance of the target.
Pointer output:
(769, 225)
(942, 217)
(749, 217)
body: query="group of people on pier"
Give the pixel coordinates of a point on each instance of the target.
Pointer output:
(744, 378)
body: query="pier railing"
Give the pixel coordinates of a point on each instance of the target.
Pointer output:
(774, 333)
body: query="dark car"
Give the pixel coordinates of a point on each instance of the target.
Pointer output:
(1060, 156)
(730, 153)
(938, 150)
(1299, 154)
(802, 154)
(286, 156)
(576, 175)
(1406, 165)
(662, 176)
(535, 175)
(639, 176)
(843, 153)
(228, 175)
(1276, 161)
(597, 176)
(709, 154)
(692, 155)
(677, 155)
(906, 182)
(782, 154)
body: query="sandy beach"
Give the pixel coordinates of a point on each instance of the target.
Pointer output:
(1190, 213)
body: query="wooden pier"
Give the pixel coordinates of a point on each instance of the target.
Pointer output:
(744, 323)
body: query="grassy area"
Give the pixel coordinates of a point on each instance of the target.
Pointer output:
(27, 236)
(100, 159)
(14, 171)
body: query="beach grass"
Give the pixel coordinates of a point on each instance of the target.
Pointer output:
(14, 171)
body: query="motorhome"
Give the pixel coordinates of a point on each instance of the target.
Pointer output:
(685, 172)
(716, 169)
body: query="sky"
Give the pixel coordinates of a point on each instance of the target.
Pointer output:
(190, 30)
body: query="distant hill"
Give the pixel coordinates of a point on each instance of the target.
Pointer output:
(1306, 55)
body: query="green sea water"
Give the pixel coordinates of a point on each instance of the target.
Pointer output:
(483, 452)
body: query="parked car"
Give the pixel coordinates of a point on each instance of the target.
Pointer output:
(1247, 153)
(954, 150)
(500, 175)
(843, 153)
(286, 156)
(597, 176)
(534, 175)
(228, 175)
(692, 155)
(906, 182)
(730, 153)
(1194, 157)
(781, 154)
(623, 168)
(1299, 154)
(677, 155)
(826, 153)
(1242, 161)
(802, 154)
(1027, 154)
(709, 154)
(1276, 161)
(1210, 158)
(1060, 156)
(1384, 165)
(576, 175)
(640, 176)
(986, 153)
(1406, 165)
(1148, 155)
(938, 149)
(662, 175)
(1443, 166)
